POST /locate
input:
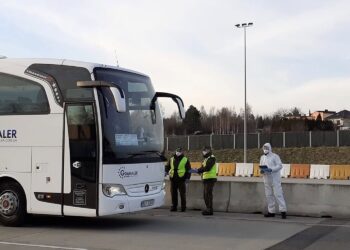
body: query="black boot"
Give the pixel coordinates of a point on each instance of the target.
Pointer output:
(207, 212)
(183, 209)
(284, 215)
(173, 209)
(269, 215)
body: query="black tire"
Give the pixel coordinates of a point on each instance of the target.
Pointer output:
(17, 217)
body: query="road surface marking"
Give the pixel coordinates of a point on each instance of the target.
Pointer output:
(42, 246)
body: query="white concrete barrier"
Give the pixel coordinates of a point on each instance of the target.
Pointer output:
(285, 172)
(319, 171)
(244, 169)
(306, 197)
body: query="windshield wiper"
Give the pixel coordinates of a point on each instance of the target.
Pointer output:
(156, 152)
(135, 154)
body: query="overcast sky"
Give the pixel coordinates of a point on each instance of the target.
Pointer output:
(297, 51)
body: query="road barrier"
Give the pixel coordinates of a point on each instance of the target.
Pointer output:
(300, 171)
(319, 171)
(256, 170)
(285, 172)
(227, 169)
(340, 172)
(244, 169)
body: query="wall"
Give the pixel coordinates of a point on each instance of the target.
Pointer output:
(246, 195)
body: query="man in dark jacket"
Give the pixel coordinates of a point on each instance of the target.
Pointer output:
(208, 172)
(178, 168)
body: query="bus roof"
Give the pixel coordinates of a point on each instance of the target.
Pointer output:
(26, 62)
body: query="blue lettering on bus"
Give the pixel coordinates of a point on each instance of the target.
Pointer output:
(8, 133)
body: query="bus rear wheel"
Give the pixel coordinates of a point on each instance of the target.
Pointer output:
(12, 204)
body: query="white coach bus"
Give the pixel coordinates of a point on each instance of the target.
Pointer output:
(78, 139)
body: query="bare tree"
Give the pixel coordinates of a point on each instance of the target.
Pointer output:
(226, 121)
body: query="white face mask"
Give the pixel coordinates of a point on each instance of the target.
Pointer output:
(266, 151)
(204, 152)
(178, 153)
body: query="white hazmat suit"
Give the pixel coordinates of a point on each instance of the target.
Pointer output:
(272, 180)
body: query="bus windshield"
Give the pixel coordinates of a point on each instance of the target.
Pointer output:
(137, 134)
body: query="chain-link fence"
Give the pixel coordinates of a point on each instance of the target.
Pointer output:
(256, 140)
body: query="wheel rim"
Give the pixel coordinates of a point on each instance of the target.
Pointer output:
(8, 203)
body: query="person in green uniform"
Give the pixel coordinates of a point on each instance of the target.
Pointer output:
(178, 167)
(208, 172)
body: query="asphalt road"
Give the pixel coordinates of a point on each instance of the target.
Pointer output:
(160, 229)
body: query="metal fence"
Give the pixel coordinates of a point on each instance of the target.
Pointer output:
(256, 140)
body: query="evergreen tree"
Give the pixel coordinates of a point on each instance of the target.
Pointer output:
(192, 120)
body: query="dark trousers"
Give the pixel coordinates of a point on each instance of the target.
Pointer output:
(208, 195)
(176, 186)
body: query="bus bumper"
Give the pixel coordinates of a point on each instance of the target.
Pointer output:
(126, 204)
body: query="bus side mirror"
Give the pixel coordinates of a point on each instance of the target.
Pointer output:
(180, 106)
(117, 92)
(175, 98)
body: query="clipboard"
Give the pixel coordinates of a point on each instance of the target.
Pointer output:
(263, 167)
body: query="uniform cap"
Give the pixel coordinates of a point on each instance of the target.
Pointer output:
(206, 148)
(179, 149)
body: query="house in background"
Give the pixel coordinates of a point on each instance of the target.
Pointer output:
(297, 117)
(341, 120)
(323, 114)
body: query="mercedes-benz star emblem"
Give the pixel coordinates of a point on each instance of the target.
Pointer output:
(146, 188)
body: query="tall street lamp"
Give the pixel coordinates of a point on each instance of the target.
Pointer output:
(244, 26)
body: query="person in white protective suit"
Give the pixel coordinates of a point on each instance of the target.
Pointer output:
(271, 166)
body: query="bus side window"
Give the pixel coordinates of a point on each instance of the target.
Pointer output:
(21, 96)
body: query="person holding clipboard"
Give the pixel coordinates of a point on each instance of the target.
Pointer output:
(270, 168)
(208, 173)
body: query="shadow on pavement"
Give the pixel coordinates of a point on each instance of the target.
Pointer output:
(173, 225)
(70, 222)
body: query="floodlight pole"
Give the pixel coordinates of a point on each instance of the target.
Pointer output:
(244, 26)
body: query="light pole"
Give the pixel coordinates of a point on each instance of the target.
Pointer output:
(244, 26)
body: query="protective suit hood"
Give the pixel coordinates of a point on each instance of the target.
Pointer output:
(267, 146)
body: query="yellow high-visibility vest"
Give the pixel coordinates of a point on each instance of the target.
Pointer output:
(181, 169)
(211, 174)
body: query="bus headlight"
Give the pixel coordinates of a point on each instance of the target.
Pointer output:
(111, 190)
(163, 185)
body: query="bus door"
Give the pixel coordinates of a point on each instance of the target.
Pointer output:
(81, 125)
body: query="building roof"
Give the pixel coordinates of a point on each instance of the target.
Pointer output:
(345, 114)
(325, 111)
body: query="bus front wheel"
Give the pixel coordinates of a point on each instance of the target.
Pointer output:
(12, 204)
